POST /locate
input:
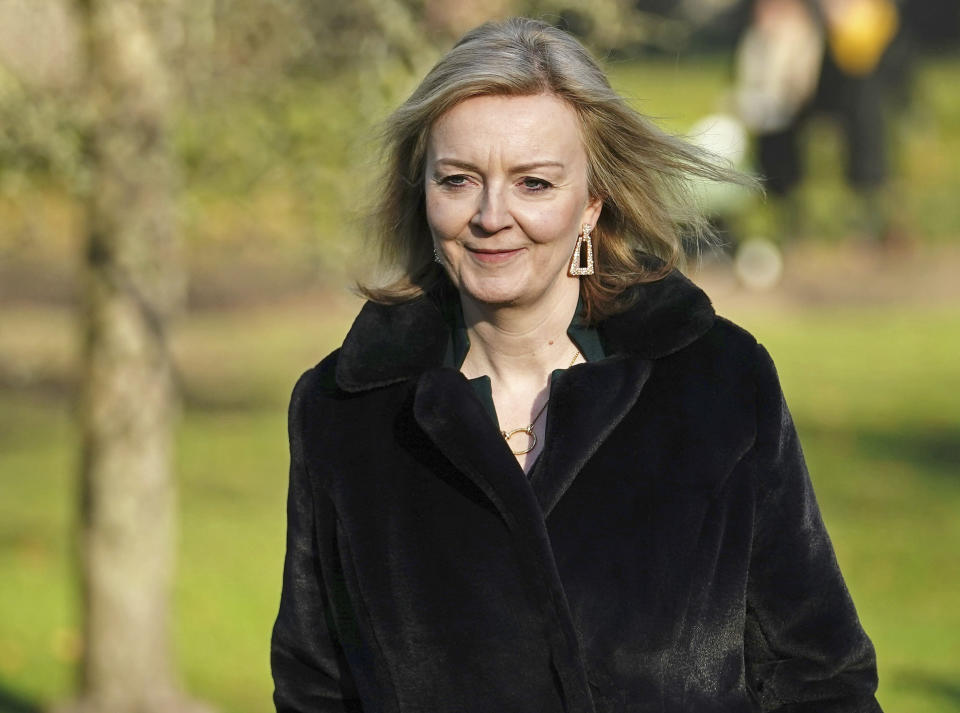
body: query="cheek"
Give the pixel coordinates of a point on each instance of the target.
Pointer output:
(443, 216)
(556, 224)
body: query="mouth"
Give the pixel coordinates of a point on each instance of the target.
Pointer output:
(494, 256)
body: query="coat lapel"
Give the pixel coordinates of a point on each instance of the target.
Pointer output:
(587, 403)
(452, 416)
(449, 412)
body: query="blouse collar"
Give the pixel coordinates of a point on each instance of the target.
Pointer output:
(585, 337)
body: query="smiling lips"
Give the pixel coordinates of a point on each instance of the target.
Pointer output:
(493, 256)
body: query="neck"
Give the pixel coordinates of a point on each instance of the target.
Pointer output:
(511, 343)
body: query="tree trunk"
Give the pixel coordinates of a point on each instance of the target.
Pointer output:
(132, 288)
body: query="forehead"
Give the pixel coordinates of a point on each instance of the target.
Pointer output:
(524, 127)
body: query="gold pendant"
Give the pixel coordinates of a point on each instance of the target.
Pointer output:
(507, 435)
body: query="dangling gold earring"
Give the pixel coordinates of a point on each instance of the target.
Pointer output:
(575, 269)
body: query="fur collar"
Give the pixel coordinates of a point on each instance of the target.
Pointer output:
(392, 343)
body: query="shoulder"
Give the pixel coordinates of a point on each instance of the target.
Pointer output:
(746, 367)
(726, 350)
(319, 380)
(314, 386)
(728, 378)
(728, 336)
(736, 345)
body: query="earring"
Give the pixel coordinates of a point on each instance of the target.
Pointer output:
(575, 264)
(436, 256)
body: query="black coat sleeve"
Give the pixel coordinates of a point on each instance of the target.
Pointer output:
(805, 650)
(309, 672)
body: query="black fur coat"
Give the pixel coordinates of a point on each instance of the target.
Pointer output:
(666, 553)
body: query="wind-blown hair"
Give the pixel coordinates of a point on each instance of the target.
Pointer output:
(641, 173)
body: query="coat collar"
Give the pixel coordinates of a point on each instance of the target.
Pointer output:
(392, 343)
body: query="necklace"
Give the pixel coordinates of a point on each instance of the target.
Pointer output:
(528, 429)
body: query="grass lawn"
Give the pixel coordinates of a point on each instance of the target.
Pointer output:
(872, 391)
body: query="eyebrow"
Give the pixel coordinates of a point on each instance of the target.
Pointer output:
(520, 168)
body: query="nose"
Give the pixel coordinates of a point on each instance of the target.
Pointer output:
(492, 214)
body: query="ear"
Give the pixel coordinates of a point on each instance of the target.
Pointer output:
(591, 213)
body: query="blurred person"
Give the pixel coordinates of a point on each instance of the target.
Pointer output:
(801, 57)
(541, 474)
(778, 66)
(854, 87)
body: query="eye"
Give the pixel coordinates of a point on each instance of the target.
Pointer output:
(453, 181)
(535, 184)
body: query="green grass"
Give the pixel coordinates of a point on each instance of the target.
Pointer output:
(233, 487)
(37, 457)
(872, 391)
(676, 92)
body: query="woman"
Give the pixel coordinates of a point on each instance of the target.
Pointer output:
(541, 474)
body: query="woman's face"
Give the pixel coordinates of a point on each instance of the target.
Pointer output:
(506, 194)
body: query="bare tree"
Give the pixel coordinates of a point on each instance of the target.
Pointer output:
(132, 288)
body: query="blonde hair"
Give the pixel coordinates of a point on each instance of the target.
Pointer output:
(640, 172)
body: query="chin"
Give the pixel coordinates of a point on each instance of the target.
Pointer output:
(493, 297)
(495, 291)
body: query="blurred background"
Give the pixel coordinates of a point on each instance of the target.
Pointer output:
(262, 115)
